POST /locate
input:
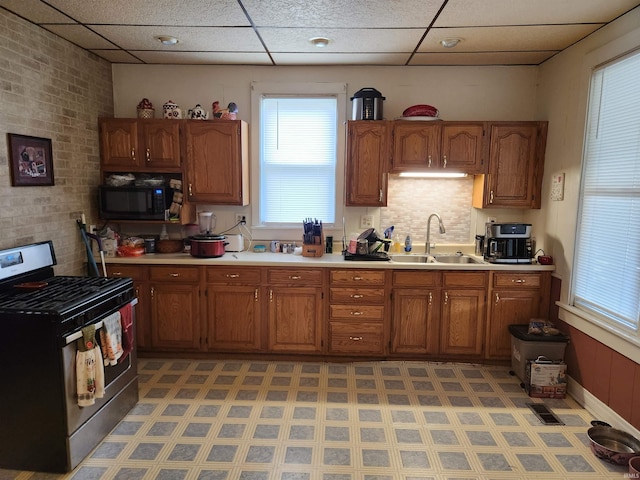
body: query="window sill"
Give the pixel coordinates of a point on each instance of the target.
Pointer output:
(618, 340)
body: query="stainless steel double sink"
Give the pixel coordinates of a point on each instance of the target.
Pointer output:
(438, 258)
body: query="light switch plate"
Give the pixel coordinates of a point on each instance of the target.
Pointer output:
(557, 187)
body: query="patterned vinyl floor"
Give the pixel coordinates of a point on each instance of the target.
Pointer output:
(260, 420)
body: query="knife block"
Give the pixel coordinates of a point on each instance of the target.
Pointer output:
(313, 249)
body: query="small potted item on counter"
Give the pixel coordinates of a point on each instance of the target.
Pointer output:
(145, 109)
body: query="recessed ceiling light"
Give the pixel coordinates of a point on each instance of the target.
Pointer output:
(167, 39)
(320, 42)
(450, 42)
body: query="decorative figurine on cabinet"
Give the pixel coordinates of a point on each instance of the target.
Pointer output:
(228, 113)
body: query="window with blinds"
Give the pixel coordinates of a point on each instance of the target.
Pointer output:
(297, 159)
(606, 278)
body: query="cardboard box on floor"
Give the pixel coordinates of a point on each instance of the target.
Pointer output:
(546, 379)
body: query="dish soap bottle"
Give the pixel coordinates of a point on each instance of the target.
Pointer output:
(407, 244)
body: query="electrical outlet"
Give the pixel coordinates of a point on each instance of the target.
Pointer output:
(366, 221)
(92, 229)
(241, 218)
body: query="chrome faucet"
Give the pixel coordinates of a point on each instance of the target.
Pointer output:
(427, 246)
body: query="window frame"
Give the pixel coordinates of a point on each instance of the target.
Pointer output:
(291, 231)
(609, 325)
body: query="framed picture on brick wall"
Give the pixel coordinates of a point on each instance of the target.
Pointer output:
(30, 160)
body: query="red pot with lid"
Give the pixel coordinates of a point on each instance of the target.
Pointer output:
(207, 246)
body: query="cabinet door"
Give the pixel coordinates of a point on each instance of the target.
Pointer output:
(464, 148)
(295, 319)
(161, 143)
(228, 329)
(414, 328)
(461, 322)
(367, 163)
(416, 146)
(119, 144)
(217, 162)
(516, 162)
(141, 287)
(175, 315)
(507, 307)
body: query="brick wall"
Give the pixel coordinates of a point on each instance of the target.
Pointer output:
(52, 89)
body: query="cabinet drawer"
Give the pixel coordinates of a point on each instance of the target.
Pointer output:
(290, 276)
(357, 295)
(415, 278)
(357, 312)
(521, 280)
(357, 277)
(165, 274)
(464, 279)
(136, 272)
(237, 276)
(360, 337)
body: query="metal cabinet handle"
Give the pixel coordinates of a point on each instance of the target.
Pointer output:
(116, 274)
(174, 275)
(519, 280)
(153, 292)
(491, 196)
(430, 298)
(380, 197)
(357, 279)
(429, 161)
(294, 277)
(148, 156)
(255, 295)
(497, 298)
(133, 154)
(232, 275)
(270, 296)
(190, 190)
(446, 298)
(356, 313)
(444, 162)
(356, 339)
(357, 295)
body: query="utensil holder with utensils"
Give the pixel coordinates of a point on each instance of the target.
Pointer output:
(312, 239)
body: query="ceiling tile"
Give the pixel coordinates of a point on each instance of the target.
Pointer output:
(507, 39)
(343, 13)
(481, 58)
(341, 41)
(204, 39)
(460, 13)
(34, 10)
(155, 12)
(203, 58)
(81, 36)
(116, 56)
(340, 59)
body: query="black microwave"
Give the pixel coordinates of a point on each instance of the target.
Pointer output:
(134, 202)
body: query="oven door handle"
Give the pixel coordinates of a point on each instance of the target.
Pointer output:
(75, 336)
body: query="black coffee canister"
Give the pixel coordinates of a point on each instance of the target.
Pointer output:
(367, 104)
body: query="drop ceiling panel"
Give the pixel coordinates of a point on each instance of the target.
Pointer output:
(203, 58)
(343, 13)
(116, 56)
(81, 36)
(206, 39)
(480, 58)
(35, 11)
(508, 39)
(459, 13)
(155, 12)
(352, 40)
(388, 59)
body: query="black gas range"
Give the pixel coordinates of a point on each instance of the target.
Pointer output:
(41, 317)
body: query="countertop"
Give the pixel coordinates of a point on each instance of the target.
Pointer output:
(268, 259)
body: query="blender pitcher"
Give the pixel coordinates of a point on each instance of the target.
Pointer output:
(207, 222)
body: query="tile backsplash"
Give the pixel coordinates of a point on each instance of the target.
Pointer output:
(412, 200)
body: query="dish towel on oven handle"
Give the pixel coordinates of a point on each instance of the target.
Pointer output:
(111, 339)
(126, 321)
(89, 368)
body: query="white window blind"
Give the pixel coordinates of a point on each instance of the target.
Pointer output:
(297, 159)
(606, 280)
